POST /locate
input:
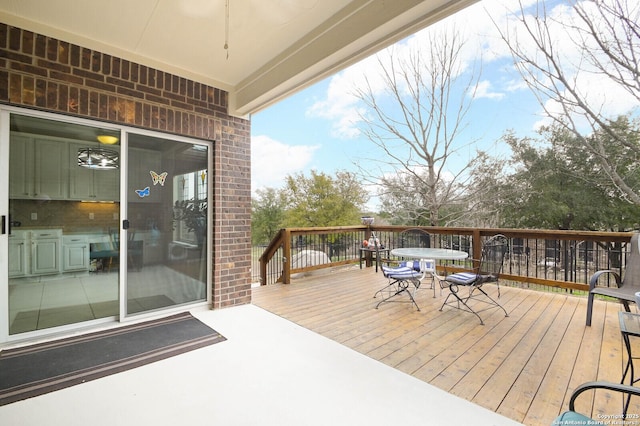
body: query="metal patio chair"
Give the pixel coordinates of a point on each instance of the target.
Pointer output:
(487, 271)
(412, 237)
(571, 417)
(418, 238)
(404, 279)
(625, 288)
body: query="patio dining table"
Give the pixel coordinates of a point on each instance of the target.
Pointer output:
(429, 253)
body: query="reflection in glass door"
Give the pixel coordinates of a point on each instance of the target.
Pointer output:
(166, 223)
(63, 210)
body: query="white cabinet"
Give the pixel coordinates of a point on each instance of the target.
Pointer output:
(18, 254)
(45, 252)
(38, 168)
(75, 253)
(35, 252)
(21, 172)
(51, 169)
(89, 184)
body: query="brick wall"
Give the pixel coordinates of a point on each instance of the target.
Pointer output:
(52, 75)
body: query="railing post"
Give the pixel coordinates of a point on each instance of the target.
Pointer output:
(286, 261)
(263, 271)
(367, 256)
(477, 247)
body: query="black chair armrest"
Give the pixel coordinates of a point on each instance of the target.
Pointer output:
(617, 387)
(594, 278)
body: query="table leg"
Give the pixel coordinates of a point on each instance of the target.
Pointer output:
(377, 259)
(629, 369)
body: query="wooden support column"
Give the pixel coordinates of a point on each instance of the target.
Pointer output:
(286, 252)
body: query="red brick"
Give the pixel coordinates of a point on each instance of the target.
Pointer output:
(27, 42)
(52, 49)
(4, 85)
(71, 79)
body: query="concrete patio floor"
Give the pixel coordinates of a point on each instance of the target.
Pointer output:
(270, 371)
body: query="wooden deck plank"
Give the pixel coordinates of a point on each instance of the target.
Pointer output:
(585, 369)
(487, 383)
(524, 366)
(455, 345)
(479, 362)
(520, 396)
(549, 397)
(611, 363)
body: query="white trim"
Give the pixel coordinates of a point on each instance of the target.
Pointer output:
(124, 207)
(4, 211)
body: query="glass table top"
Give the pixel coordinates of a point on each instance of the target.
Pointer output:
(629, 323)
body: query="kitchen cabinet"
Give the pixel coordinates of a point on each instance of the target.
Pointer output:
(21, 172)
(35, 252)
(75, 253)
(45, 252)
(38, 168)
(18, 255)
(51, 168)
(91, 185)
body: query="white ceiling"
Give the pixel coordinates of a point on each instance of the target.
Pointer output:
(275, 47)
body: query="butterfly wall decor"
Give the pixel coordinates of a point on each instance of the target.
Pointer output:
(158, 178)
(143, 192)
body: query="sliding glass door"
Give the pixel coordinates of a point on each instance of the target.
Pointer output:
(63, 208)
(167, 223)
(72, 253)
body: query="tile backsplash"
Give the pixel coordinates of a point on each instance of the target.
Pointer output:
(77, 216)
(68, 215)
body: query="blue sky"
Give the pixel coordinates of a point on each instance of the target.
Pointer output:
(317, 127)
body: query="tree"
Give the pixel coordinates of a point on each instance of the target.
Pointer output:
(605, 44)
(491, 186)
(321, 200)
(555, 184)
(417, 121)
(267, 215)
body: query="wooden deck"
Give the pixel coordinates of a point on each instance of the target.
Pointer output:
(523, 366)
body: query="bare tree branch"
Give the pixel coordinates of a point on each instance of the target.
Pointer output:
(606, 35)
(417, 123)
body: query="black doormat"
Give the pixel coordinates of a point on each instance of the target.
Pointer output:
(38, 369)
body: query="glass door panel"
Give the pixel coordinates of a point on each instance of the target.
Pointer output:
(167, 223)
(62, 260)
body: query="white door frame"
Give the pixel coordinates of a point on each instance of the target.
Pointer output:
(5, 112)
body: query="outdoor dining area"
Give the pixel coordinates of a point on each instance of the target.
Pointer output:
(516, 351)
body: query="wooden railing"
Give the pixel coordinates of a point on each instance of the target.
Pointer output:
(560, 259)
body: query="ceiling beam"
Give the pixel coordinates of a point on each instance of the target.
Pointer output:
(357, 31)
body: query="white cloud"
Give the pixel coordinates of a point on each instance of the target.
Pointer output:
(479, 24)
(515, 85)
(603, 95)
(340, 105)
(272, 161)
(484, 90)
(342, 108)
